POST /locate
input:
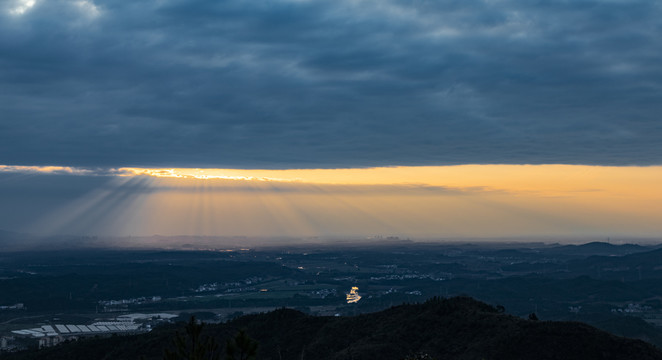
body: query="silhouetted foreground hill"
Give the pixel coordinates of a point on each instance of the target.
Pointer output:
(456, 328)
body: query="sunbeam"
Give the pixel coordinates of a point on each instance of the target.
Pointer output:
(472, 200)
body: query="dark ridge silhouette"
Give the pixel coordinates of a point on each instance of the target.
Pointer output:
(455, 328)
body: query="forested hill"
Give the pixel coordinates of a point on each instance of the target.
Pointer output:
(456, 328)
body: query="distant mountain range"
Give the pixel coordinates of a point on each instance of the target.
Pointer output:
(598, 248)
(455, 328)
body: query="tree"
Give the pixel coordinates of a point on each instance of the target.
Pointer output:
(241, 347)
(193, 346)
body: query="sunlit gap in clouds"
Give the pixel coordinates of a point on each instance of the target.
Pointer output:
(20, 7)
(443, 201)
(87, 10)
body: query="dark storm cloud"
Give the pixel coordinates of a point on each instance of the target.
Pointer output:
(278, 84)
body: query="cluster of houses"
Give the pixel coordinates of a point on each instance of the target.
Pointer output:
(123, 304)
(18, 306)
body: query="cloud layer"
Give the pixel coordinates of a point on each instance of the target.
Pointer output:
(323, 84)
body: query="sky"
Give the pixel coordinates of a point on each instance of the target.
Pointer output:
(318, 118)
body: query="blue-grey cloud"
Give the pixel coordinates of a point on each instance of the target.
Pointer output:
(279, 84)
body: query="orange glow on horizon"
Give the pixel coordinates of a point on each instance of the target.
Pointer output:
(545, 180)
(427, 201)
(541, 180)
